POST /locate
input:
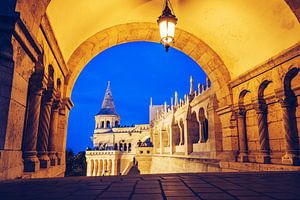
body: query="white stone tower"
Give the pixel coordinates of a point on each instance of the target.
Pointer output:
(107, 118)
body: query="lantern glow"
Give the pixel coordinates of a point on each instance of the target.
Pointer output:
(167, 22)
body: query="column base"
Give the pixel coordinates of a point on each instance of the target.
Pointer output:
(31, 162)
(53, 158)
(44, 159)
(263, 158)
(290, 159)
(243, 157)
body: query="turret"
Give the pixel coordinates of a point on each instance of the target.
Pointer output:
(107, 117)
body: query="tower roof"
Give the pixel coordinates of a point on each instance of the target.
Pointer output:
(108, 106)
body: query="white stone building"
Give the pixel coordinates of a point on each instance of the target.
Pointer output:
(114, 146)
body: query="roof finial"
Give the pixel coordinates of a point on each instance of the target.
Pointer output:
(176, 99)
(191, 85)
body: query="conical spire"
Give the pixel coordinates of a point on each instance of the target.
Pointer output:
(108, 106)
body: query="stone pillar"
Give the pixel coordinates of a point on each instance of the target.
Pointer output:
(43, 134)
(160, 142)
(104, 166)
(291, 154)
(100, 167)
(201, 134)
(241, 118)
(52, 149)
(181, 134)
(36, 87)
(88, 167)
(261, 111)
(168, 137)
(187, 139)
(95, 171)
(171, 140)
(109, 167)
(113, 173)
(64, 111)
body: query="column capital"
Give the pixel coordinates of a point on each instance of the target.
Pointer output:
(287, 102)
(241, 112)
(260, 106)
(48, 96)
(38, 81)
(56, 105)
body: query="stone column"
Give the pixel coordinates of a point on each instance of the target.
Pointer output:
(95, 172)
(291, 154)
(201, 134)
(241, 118)
(52, 148)
(181, 134)
(262, 121)
(104, 166)
(88, 167)
(187, 140)
(171, 139)
(160, 142)
(109, 167)
(36, 87)
(100, 167)
(113, 173)
(43, 134)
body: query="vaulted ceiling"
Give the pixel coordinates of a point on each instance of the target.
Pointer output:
(244, 33)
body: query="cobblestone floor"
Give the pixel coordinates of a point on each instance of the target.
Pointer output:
(274, 185)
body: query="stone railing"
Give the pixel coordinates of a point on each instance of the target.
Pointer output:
(101, 152)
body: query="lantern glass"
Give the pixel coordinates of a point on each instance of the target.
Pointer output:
(167, 31)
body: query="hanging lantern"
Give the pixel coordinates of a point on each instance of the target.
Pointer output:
(167, 22)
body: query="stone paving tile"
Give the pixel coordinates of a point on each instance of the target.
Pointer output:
(284, 196)
(240, 193)
(147, 197)
(255, 198)
(206, 190)
(147, 190)
(215, 196)
(177, 193)
(199, 185)
(182, 198)
(108, 194)
(283, 185)
(120, 188)
(175, 187)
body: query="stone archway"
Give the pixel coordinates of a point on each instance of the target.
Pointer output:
(192, 46)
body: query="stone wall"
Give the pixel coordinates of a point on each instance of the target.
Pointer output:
(29, 57)
(255, 117)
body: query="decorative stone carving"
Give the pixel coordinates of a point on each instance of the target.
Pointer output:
(261, 109)
(36, 87)
(52, 145)
(288, 106)
(43, 134)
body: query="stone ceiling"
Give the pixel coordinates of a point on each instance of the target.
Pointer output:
(242, 33)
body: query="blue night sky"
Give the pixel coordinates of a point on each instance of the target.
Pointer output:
(137, 71)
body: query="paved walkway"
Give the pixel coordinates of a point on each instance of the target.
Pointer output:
(282, 185)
